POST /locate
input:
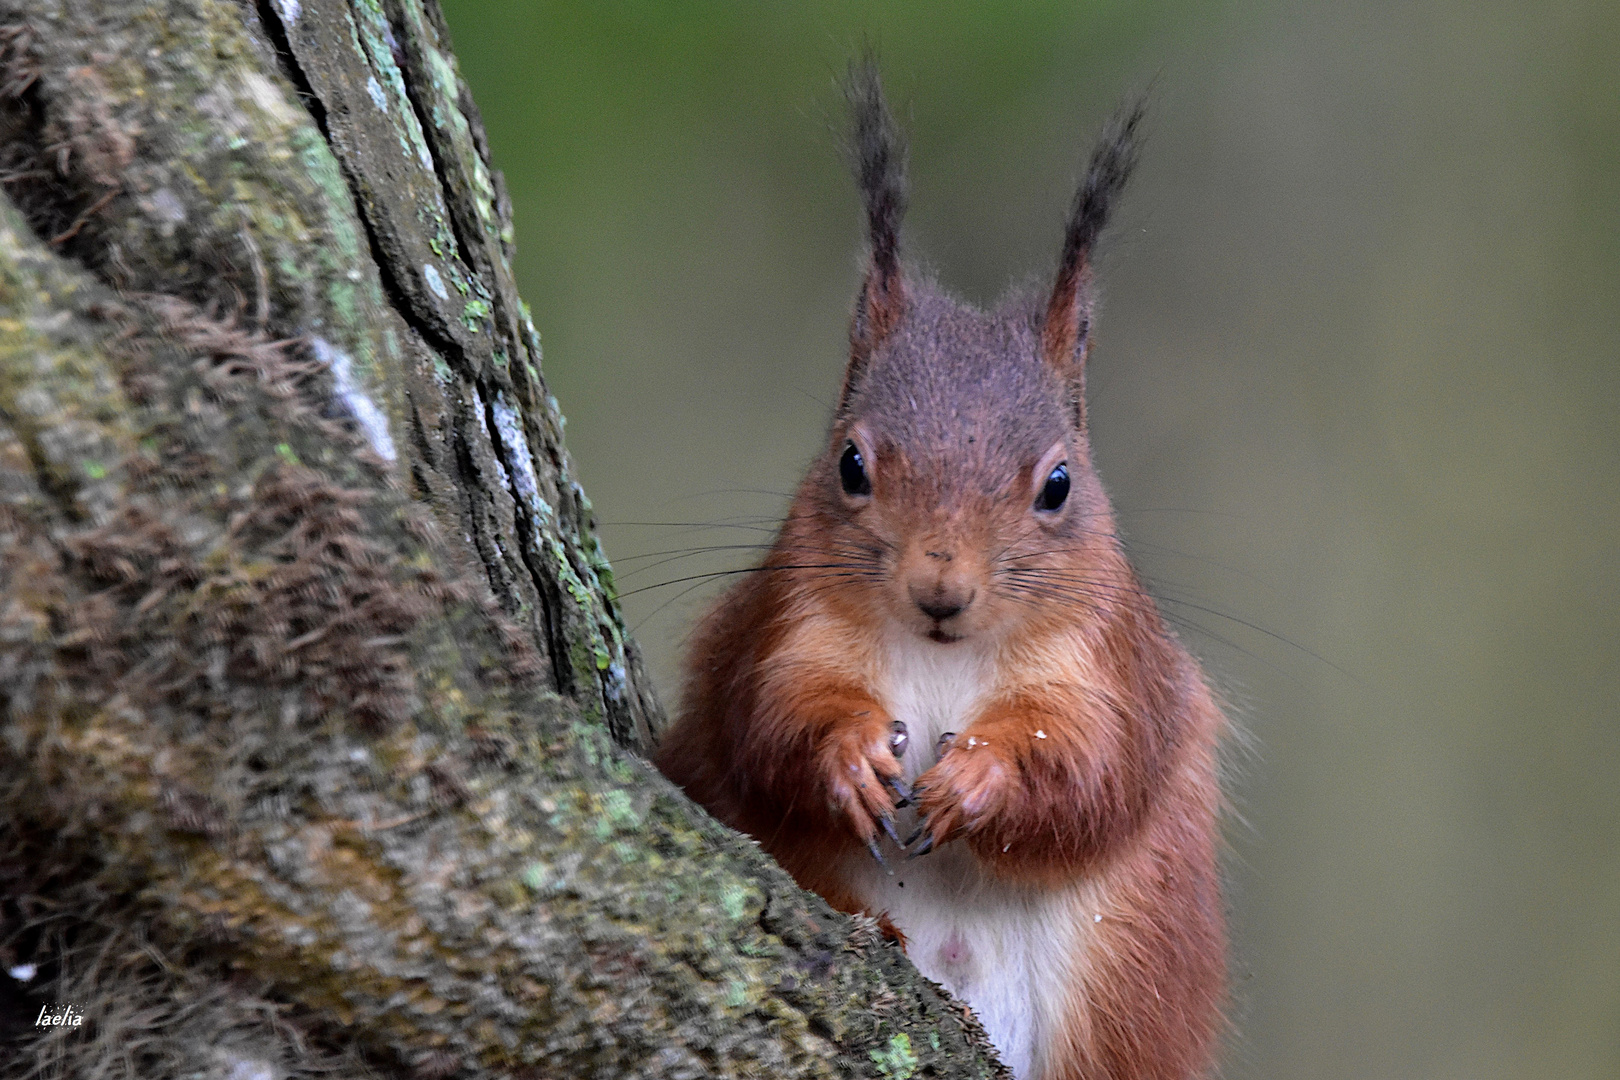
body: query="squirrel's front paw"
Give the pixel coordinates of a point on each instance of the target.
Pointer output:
(963, 794)
(860, 769)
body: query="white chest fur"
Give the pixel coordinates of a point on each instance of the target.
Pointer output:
(1008, 950)
(932, 689)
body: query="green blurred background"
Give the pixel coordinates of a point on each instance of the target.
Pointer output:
(1355, 394)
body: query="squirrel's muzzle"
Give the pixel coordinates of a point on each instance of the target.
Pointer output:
(941, 578)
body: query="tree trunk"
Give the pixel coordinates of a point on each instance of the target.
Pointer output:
(321, 726)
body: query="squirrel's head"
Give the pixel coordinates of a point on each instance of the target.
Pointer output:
(957, 483)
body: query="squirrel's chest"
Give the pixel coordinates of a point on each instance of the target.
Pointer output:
(1008, 950)
(933, 690)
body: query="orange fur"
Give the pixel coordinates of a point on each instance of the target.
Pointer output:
(927, 574)
(1121, 792)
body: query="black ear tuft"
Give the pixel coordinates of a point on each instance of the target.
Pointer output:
(1067, 327)
(1111, 165)
(877, 155)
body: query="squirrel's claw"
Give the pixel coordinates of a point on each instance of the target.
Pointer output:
(903, 794)
(923, 848)
(872, 846)
(888, 827)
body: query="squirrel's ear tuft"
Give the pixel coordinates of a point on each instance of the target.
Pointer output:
(1066, 329)
(877, 154)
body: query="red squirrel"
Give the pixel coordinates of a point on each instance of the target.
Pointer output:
(946, 639)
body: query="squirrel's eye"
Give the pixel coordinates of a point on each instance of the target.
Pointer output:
(852, 472)
(1056, 489)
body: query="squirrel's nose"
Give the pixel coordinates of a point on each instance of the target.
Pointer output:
(940, 604)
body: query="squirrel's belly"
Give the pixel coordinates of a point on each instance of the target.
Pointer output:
(1013, 952)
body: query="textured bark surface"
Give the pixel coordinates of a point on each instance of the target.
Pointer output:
(320, 723)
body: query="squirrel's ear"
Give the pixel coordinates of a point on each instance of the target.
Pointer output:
(1066, 326)
(877, 153)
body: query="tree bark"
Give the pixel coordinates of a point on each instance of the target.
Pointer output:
(321, 726)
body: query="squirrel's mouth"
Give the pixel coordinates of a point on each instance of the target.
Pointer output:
(938, 634)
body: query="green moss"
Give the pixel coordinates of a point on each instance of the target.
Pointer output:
(734, 899)
(321, 167)
(473, 313)
(620, 811)
(896, 1060)
(341, 294)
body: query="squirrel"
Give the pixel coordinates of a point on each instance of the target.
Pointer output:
(946, 639)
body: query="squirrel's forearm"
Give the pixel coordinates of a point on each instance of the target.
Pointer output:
(1046, 783)
(821, 749)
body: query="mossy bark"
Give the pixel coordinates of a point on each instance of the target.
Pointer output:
(321, 726)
